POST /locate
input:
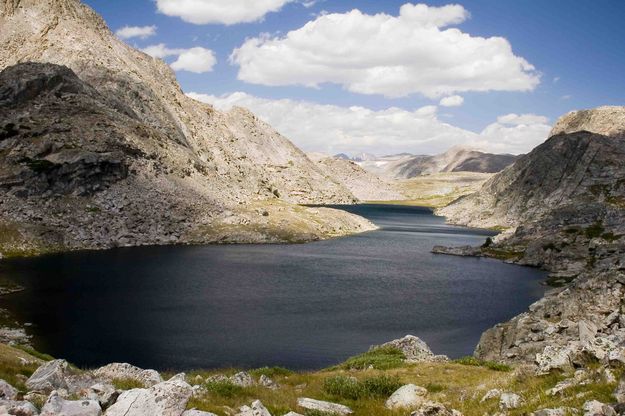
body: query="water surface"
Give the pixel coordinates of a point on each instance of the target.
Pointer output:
(302, 306)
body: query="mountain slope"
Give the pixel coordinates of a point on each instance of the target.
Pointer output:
(203, 170)
(564, 207)
(456, 159)
(363, 184)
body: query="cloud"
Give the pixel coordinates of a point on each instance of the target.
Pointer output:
(335, 129)
(452, 101)
(394, 56)
(513, 133)
(198, 60)
(142, 32)
(229, 12)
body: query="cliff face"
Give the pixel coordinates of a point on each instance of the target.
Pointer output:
(167, 168)
(564, 207)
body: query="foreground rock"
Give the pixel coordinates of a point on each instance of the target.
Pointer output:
(255, 409)
(168, 398)
(414, 349)
(406, 397)
(125, 371)
(435, 409)
(321, 406)
(56, 406)
(49, 376)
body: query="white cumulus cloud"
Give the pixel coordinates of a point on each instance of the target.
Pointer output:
(514, 133)
(198, 60)
(395, 56)
(335, 129)
(452, 101)
(219, 11)
(142, 32)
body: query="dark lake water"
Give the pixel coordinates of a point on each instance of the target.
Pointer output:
(301, 306)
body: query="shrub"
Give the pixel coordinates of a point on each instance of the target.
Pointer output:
(381, 386)
(594, 230)
(434, 388)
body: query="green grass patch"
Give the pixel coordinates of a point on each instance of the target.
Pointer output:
(34, 353)
(382, 358)
(224, 388)
(491, 365)
(352, 389)
(271, 372)
(127, 384)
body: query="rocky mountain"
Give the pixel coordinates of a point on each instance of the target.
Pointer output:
(365, 185)
(456, 159)
(563, 206)
(99, 147)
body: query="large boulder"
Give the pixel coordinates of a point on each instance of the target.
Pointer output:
(510, 401)
(321, 406)
(49, 376)
(129, 372)
(168, 398)
(596, 408)
(57, 406)
(242, 379)
(406, 397)
(413, 348)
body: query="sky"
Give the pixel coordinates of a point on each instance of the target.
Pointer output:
(389, 76)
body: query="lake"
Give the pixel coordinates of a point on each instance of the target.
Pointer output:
(303, 306)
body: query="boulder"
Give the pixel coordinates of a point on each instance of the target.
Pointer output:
(127, 371)
(267, 382)
(105, 394)
(555, 358)
(56, 405)
(596, 408)
(509, 401)
(293, 414)
(49, 376)
(491, 394)
(561, 386)
(435, 409)
(255, 409)
(7, 391)
(168, 398)
(194, 412)
(21, 408)
(321, 406)
(414, 349)
(406, 397)
(242, 379)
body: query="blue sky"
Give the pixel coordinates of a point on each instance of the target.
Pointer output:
(576, 48)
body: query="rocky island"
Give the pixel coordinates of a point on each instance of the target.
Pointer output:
(100, 148)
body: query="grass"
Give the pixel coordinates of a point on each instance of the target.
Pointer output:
(382, 358)
(491, 365)
(127, 384)
(351, 388)
(459, 384)
(595, 230)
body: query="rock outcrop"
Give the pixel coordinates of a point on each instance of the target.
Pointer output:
(415, 350)
(563, 206)
(99, 147)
